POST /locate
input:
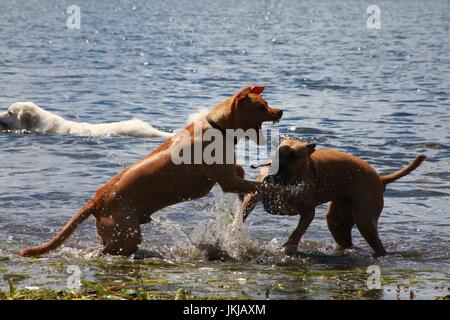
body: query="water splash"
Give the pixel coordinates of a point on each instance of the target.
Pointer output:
(226, 235)
(181, 244)
(220, 235)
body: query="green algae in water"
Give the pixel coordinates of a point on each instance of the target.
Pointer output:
(160, 279)
(95, 291)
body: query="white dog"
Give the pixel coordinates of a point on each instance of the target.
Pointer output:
(28, 116)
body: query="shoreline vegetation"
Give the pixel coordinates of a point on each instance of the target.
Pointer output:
(397, 285)
(95, 291)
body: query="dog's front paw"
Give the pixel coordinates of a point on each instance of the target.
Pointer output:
(290, 249)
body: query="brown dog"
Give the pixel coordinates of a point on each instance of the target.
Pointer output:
(155, 182)
(351, 184)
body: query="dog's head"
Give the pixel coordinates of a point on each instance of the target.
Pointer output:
(20, 115)
(250, 110)
(293, 156)
(247, 110)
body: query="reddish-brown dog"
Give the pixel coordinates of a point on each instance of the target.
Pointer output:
(155, 182)
(351, 184)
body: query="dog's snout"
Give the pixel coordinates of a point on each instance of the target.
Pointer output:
(279, 114)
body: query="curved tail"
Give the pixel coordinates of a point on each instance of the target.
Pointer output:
(58, 239)
(403, 172)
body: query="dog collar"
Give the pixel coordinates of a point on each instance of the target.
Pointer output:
(313, 169)
(316, 178)
(213, 124)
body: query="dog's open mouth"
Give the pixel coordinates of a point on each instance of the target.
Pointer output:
(260, 138)
(278, 117)
(269, 121)
(275, 118)
(273, 121)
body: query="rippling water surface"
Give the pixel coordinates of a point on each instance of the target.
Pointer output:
(382, 95)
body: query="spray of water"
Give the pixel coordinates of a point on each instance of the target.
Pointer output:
(219, 234)
(181, 245)
(225, 235)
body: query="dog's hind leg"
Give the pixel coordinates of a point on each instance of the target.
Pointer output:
(366, 219)
(340, 222)
(120, 235)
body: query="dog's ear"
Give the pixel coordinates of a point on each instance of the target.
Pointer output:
(257, 89)
(251, 88)
(311, 147)
(27, 119)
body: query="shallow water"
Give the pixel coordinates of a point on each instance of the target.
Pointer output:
(382, 95)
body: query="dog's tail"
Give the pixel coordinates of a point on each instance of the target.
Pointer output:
(403, 172)
(58, 239)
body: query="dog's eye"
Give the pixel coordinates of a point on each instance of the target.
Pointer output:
(10, 113)
(261, 108)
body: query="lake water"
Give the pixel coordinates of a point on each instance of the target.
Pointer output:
(382, 95)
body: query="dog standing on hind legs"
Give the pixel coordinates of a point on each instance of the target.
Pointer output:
(155, 182)
(353, 188)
